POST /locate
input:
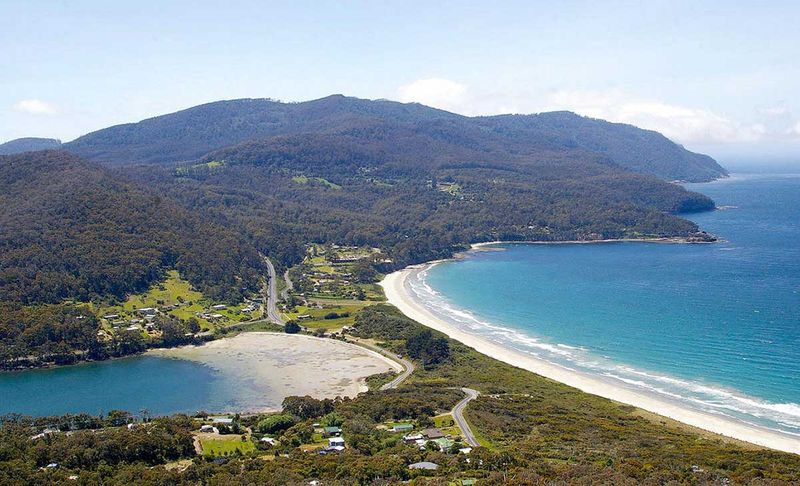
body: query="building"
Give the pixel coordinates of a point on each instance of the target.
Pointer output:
(429, 466)
(208, 429)
(443, 443)
(432, 434)
(403, 428)
(219, 307)
(332, 431)
(336, 442)
(412, 437)
(222, 420)
(147, 311)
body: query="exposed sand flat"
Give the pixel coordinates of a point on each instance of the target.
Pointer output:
(271, 366)
(398, 295)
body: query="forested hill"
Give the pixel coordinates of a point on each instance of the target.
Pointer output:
(192, 133)
(69, 229)
(642, 151)
(28, 144)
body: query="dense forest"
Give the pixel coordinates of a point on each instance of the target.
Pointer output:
(70, 229)
(534, 431)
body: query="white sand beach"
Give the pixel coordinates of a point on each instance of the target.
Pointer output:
(269, 366)
(398, 295)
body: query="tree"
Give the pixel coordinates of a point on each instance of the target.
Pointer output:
(291, 327)
(307, 407)
(275, 423)
(430, 349)
(193, 325)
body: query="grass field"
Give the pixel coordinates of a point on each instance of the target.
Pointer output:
(317, 319)
(315, 180)
(226, 447)
(175, 291)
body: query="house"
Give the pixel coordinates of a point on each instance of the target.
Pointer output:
(336, 442)
(332, 431)
(443, 443)
(432, 434)
(147, 311)
(219, 307)
(208, 429)
(221, 420)
(111, 316)
(465, 450)
(269, 441)
(429, 466)
(403, 428)
(412, 437)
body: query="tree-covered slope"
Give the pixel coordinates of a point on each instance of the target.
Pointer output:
(28, 144)
(189, 134)
(642, 151)
(70, 229)
(418, 196)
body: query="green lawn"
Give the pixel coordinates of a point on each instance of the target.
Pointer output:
(315, 180)
(223, 447)
(317, 319)
(446, 423)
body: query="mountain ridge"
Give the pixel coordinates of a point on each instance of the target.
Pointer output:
(192, 133)
(28, 144)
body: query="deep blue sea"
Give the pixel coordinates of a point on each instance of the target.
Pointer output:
(715, 326)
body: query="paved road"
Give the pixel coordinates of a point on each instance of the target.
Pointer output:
(288, 288)
(409, 368)
(271, 293)
(458, 416)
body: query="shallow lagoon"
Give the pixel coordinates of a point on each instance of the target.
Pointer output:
(251, 372)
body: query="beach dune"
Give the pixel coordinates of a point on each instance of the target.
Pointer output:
(397, 293)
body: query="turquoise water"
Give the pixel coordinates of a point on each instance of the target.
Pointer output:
(160, 385)
(715, 326)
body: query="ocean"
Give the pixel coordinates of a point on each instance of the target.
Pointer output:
(715, 327)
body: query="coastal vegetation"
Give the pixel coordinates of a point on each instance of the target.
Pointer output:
(532, 430)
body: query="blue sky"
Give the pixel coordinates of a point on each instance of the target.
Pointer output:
(718, 77)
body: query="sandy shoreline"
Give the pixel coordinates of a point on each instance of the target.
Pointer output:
(397, 294)
(266, 367)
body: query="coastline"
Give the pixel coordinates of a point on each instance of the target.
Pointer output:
(398, 295)
(287, 364)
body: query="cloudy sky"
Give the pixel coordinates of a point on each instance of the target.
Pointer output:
(719, 77)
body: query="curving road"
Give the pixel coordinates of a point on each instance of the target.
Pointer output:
(271, 294)
(458, 416)
(408, 369)
(408, 366)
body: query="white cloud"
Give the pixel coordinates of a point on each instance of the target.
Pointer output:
(436, 92)
(681, 123)
(35, 107)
